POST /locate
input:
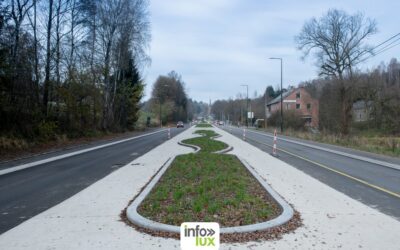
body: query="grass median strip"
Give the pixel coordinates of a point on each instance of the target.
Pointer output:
(203, 125)
(208, 187)
(205, 143)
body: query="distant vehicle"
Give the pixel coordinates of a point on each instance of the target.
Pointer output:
(220, 123)
(180, 125)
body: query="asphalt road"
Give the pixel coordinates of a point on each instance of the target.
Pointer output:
(28, 192)
(374, 185)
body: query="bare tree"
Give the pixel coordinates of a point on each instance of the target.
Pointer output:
(48, 56)
(120, 23)
(19, 9)
(338, 40)
(33, 23)
(84, 55)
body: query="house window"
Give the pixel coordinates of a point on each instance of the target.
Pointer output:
(298, 95)
(298, 106)
(308, 106)
(287, 106)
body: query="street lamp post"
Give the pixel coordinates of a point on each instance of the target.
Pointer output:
(159, 100)
(279, 58)
(247, 104)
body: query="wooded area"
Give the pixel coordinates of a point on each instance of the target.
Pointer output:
(169, 102)
(379, 89)
(71, 66)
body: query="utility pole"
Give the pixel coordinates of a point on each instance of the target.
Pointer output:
(159, 100)
(247, 103)
(209, 110)
(265, 109)
(279, 58)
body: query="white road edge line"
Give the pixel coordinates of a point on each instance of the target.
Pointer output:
(59, 157)
(361, 158)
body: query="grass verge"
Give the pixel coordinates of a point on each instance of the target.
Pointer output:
(373, 142)
(208, 187)
(12, 148)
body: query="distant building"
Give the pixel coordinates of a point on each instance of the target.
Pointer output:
(299, 100)
(362, 110)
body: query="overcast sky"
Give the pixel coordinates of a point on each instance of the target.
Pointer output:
(217, 45)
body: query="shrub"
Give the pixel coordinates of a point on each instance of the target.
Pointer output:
(291, 119)
(7, 143)
(47, 130)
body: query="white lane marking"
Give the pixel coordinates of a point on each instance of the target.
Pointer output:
(361, 158)
(134, 154)
(59, 157)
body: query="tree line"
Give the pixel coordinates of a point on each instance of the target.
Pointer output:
(169, 100)
(234, 109)
(170, 103)
(377, 89)
(338, 43)
(71, 66)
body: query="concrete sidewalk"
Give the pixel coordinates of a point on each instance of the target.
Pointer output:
(90, 219)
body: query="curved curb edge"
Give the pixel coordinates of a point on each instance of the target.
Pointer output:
(223, 151)
(196, 148)
(136, 218)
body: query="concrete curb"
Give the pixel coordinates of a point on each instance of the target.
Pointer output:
(223, 151)
(137, 219)
(196, 148)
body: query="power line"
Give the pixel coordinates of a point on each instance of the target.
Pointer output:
(388, 45)
(388, 48)
(398, 34)
(385, 48)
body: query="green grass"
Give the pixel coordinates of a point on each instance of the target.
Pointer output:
(205, 143)
(369, 141)
(203, 125)
(208, 187)
(207, 133)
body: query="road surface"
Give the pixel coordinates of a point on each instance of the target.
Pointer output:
(28, 192)
(375, 185)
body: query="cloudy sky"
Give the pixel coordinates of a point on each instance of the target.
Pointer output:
(217, 45)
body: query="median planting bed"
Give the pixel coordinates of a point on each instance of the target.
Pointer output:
(203, 125)
(208, 187)
(205, 143)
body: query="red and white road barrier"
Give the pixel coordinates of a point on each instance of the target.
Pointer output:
(244, 134)
(169, 133)
(274, 147)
